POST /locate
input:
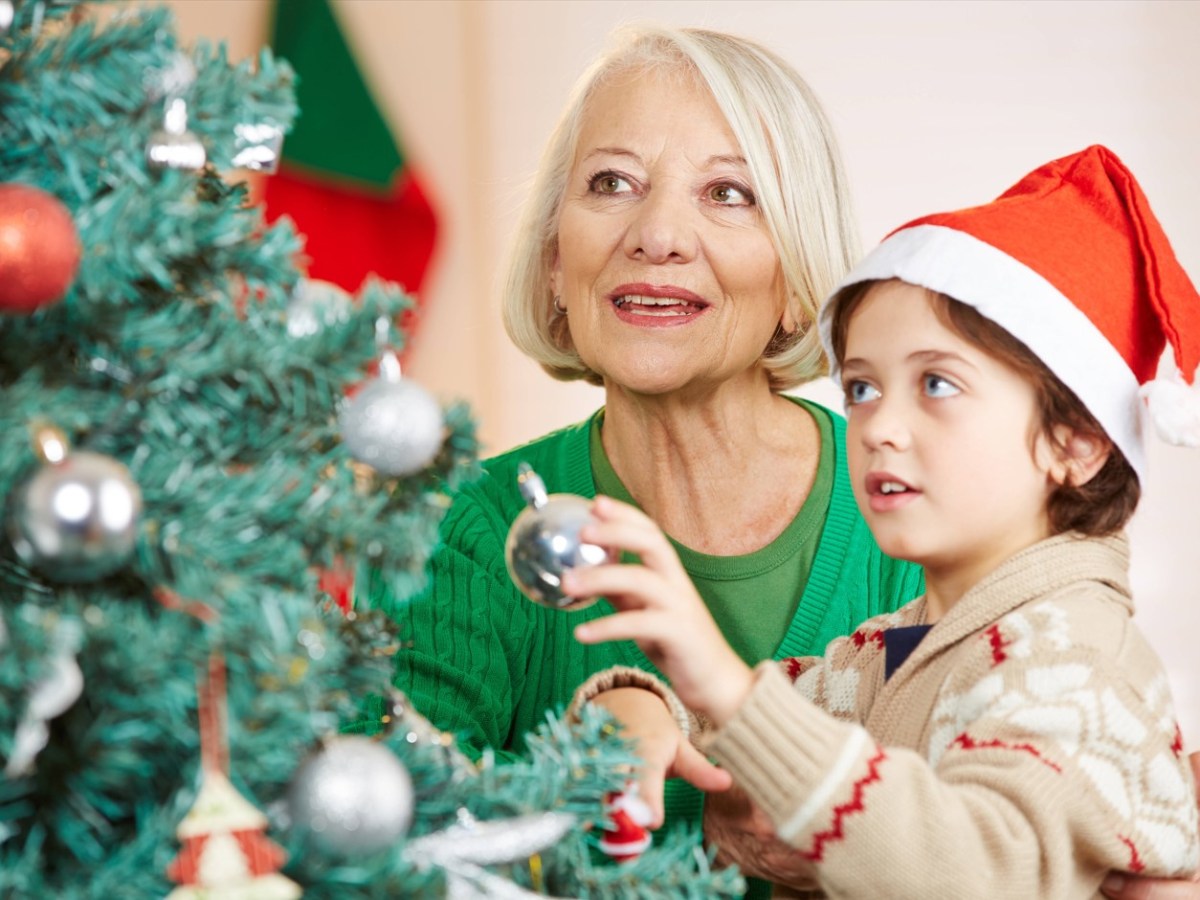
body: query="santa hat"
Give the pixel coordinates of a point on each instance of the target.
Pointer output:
(1073, 263)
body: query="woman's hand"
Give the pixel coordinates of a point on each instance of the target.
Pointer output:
(665, 752)
(658, 607)
(1121, 886)
(744, 835)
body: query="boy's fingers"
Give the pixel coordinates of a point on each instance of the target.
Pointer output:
(619, 627)
(627, 587)
(644, 539)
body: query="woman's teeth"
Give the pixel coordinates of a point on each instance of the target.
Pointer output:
(654, 306)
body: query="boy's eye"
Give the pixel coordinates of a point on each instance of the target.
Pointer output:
(608, 183)
(937, 386)
(860, 392)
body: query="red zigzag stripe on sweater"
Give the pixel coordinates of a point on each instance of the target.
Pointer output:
(835, 831)
(1135, 860)
(998, 643)
(966, 742)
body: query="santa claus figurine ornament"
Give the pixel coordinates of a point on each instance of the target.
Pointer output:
(626, 831)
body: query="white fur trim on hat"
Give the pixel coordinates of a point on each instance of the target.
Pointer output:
(1024, 304)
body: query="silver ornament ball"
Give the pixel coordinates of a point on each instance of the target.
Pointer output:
(173, 146)
(395, 427)
(544, 542)
(353, 796)
(76, 520)
(315, 304)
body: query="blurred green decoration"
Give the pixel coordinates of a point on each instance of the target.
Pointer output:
(177, 501)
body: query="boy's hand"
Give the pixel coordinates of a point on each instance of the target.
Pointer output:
(658, 608)
(1122, 886)
(665, 752)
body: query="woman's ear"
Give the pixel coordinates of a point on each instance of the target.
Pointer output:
(556, 276)
(788, 320)
(1078, 456)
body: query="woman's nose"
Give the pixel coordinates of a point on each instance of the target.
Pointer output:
(662, 229)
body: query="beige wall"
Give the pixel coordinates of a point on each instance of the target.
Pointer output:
(937, 105)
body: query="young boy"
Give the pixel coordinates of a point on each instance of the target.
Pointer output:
(1010, 733)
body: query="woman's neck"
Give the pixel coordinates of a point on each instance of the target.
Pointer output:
(723, 474)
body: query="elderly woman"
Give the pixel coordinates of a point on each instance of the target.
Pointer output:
(689, 213)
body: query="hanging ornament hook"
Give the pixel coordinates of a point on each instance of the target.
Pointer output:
(49, 442)
(389, 362)
(531, 486)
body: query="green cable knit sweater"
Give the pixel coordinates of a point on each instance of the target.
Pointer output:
(486, 663)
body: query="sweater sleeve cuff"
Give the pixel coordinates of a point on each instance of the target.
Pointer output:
(790, 757)
(629, 677)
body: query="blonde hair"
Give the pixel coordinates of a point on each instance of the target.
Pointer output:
(794, 164)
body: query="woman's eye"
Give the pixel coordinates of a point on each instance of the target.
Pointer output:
(730, 195)
(937, 386)
(608, 183)
(860, 392)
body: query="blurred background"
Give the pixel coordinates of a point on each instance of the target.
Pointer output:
(937, 105)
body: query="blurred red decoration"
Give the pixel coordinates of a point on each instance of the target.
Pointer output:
(39, 248)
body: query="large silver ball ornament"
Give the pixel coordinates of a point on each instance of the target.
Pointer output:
(543, 542)
(353, 796)
(392, 424)
(76, 519)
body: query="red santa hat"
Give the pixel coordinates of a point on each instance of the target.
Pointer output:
(1073, 263)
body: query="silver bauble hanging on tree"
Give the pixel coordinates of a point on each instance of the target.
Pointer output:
(315, 304)
(544, 542)
(76, 518)
(392, 424)
(353, 796)
(173, 146)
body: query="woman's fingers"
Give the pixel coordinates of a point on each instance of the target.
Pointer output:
(693, 767)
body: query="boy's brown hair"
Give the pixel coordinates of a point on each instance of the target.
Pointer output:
(1101, 506)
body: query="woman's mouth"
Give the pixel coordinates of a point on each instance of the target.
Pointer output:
(653, 304)
(642, 305)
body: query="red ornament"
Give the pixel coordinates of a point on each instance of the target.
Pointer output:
(39, 248)
(626, 835)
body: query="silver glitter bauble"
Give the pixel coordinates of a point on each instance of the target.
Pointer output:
(6, 16)
(173, 146)
(544, 541)
(315, 304)
(353, 796)
(392, 424)
(76, 519)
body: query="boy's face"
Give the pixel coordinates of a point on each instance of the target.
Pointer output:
(939, 442)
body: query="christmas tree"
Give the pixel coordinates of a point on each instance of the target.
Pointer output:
(198, 448)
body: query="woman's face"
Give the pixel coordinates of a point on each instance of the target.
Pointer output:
(670, 280)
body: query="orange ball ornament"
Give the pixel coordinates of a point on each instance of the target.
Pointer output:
(39, 249)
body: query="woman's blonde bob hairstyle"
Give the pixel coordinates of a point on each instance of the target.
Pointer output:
(794, 165)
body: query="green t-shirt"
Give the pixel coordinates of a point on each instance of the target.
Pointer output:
(770, 581)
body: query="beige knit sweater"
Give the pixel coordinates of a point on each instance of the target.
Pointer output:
(1026, 747)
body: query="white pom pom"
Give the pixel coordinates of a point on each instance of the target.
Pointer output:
(1174, 408)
